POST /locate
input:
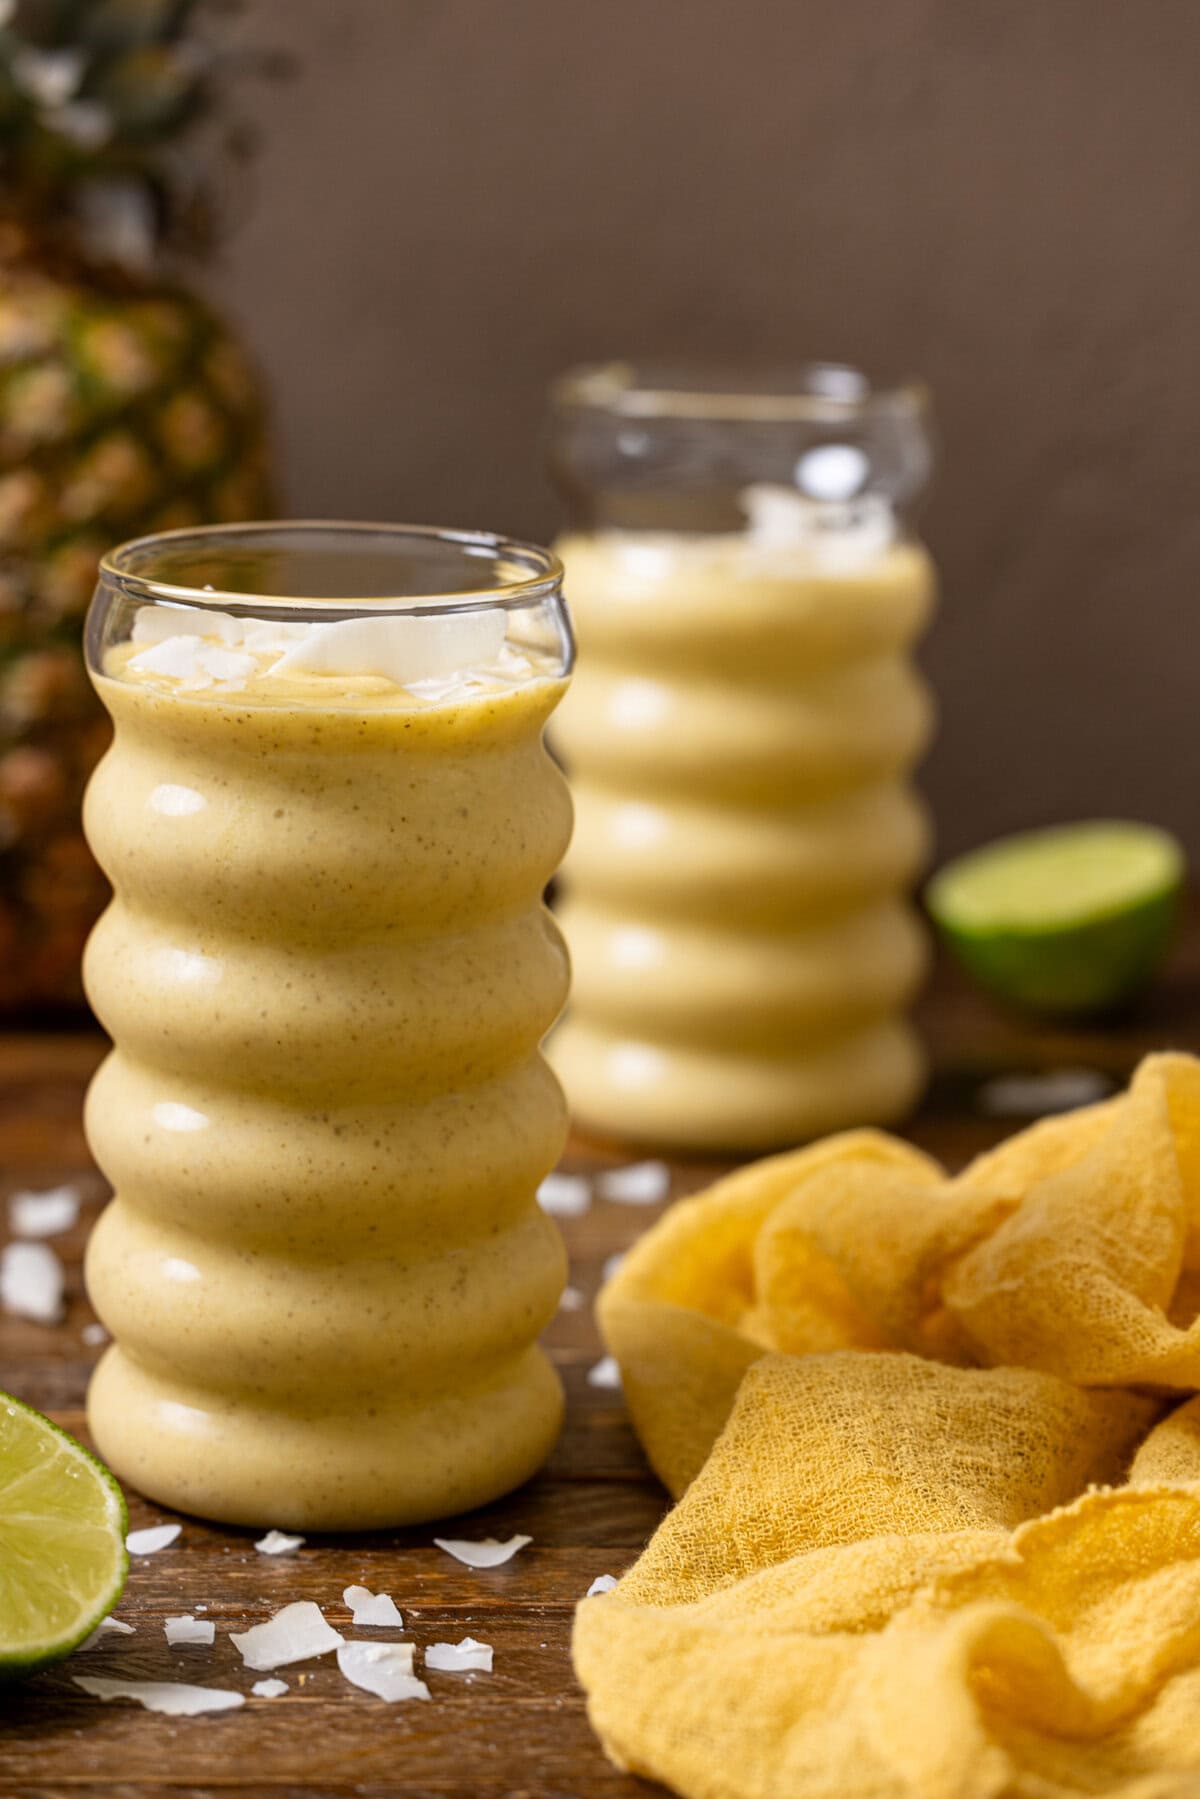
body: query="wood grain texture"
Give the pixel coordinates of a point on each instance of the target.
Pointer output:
(521, 1732)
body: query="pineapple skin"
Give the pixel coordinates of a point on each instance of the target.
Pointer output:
(125, 408)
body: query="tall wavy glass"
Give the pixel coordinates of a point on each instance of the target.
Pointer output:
(740, 739)
(326, 971)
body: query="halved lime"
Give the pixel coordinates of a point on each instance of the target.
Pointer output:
(1069, 921)
(62, 1541)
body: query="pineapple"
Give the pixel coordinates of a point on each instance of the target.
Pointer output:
(126, 406)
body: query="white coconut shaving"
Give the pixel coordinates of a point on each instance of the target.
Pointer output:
(606, 1373)
(612, 1264)
(228, 665)
(152, 1539)
(194, 662)
(460, 1658)
(186, 1629)
(639, 1184)
(565, 1195)
(175, 1698)
(277, 1542)
(1033, 1095)
(270, 1689)
(573, 1299)
(603, 1583)
(32, 1282)
(46, 1214)
(486, 1554)
(93, 1335)
(402, 649)
(372, 1608)
(385, 1669)
(107, 1627)
(294, 1634)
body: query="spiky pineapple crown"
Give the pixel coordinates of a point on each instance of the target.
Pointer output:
(96, 98)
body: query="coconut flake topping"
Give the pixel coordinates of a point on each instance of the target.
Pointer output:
(269, 1689)
(372, 1608)
(487, 1554)
(603, 1583)
(174, 1697)
(402, 649)
(294, 1634)
(198, 648)
(385, 1669)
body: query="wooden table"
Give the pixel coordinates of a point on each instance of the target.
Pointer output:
(521, 1730)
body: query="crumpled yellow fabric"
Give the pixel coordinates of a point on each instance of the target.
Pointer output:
(939, 1533)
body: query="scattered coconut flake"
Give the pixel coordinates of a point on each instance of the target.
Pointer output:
(565, 1195)
(385, 1669)
(152, 1539)
(46, 1214)
(173, 1697)
(94, 1335)
(486, 1554)
(612, 1264)
(573, 1299)
(603, 1583)
(1031, 1095)
(606, 1373)
(106, 1627)
(31, 1282)
(372, 1608)
(460, 1658)
(277, 1542)
(640, 1184)
(186, 1629)
(292, 1635)
(269, 1689)
(400, 648)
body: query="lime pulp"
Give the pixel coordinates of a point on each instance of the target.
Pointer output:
(1070, 921)
(63, 1561)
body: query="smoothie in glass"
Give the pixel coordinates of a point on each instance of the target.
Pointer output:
(740, 739)
(328, 817)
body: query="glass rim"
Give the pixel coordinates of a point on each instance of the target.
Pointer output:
(764, 396)
(542, 582)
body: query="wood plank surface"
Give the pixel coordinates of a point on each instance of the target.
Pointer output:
(522, 1731)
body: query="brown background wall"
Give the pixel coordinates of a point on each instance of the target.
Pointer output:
(457, 197)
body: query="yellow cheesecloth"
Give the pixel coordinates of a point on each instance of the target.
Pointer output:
(939, 1533)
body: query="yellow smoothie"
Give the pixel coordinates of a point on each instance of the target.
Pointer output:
(739, 737)
(327, 971)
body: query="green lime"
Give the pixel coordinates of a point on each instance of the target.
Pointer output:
(62, 1541)
(1072, 920)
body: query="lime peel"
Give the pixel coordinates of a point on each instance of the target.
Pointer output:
(1072, 920)
(63, 1562)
